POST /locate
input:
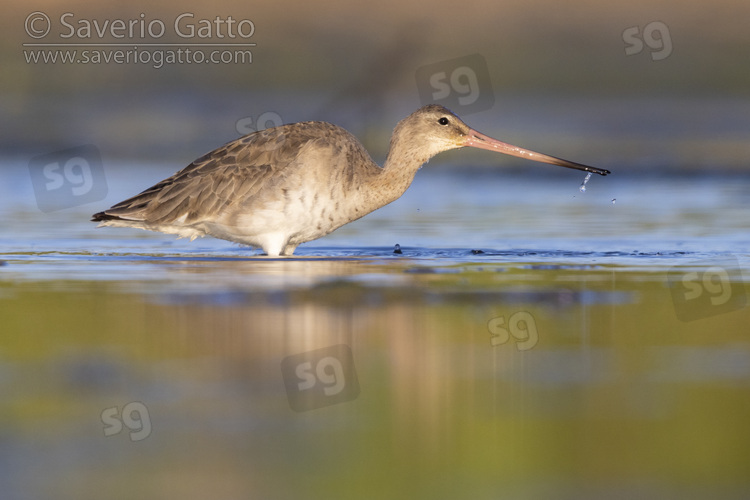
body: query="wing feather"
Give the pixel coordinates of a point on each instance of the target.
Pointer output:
(228, 175)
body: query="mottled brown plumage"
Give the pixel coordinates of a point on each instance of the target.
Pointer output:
(287, 185)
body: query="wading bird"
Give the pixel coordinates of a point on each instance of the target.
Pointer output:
(279, 187)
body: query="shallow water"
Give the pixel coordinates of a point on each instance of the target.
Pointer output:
(530, 341)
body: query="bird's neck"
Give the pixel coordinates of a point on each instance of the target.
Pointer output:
(399, 168)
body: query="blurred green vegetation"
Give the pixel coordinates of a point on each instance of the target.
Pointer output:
(544, 46)
(604, 402)
(355, 64)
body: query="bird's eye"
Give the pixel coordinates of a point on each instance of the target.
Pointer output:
(443, 121)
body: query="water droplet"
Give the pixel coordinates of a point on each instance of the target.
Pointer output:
(583, 184)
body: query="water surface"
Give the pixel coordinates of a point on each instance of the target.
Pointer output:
(530, 341)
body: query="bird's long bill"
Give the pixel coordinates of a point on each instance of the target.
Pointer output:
(481, 141)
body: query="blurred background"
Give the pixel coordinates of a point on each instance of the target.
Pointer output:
(530, 341)
(630, 84)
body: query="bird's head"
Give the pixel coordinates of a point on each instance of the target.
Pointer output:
(437, 129)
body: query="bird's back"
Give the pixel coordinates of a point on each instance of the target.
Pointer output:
(262, 173)
(237, 171)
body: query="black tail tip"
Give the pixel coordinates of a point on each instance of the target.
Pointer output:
(101, 216)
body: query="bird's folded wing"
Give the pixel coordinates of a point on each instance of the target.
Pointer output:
(207, 187)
